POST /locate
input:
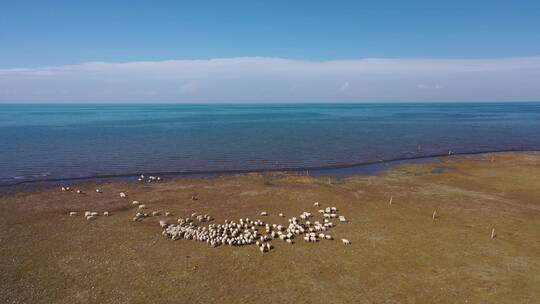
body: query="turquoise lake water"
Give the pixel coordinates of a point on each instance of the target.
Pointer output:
(59, 141)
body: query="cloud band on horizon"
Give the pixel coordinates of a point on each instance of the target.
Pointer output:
(263, 79)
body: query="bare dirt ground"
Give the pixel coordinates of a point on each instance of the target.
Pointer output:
(399, 254)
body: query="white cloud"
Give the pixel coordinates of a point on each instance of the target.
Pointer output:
(260, 79)
(344, 86)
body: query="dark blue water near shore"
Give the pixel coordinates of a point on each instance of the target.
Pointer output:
(58, 141)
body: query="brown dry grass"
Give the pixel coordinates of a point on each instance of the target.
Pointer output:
(399, 254)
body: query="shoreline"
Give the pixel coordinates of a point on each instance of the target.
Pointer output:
(337, 171)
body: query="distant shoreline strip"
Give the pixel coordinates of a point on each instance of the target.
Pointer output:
(262, 170)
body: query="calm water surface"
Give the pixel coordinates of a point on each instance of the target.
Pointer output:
(68, 141)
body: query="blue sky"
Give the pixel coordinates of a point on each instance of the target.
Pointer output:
(45, 37)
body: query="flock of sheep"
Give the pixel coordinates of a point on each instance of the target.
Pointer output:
(256, 232)
(149, 179)
(238, 233)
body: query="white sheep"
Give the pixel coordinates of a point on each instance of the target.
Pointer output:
(106, 213)
(87, 213)
(142, 206)
(345, 241)
(168, 214)
(123, 195)
(94, 213)
(79, 192)
(90, 217)
(155, 213)
(264, 213)
(163, 224)
(73, 213)
(316, 204)
(135, 203)
(98, 191)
